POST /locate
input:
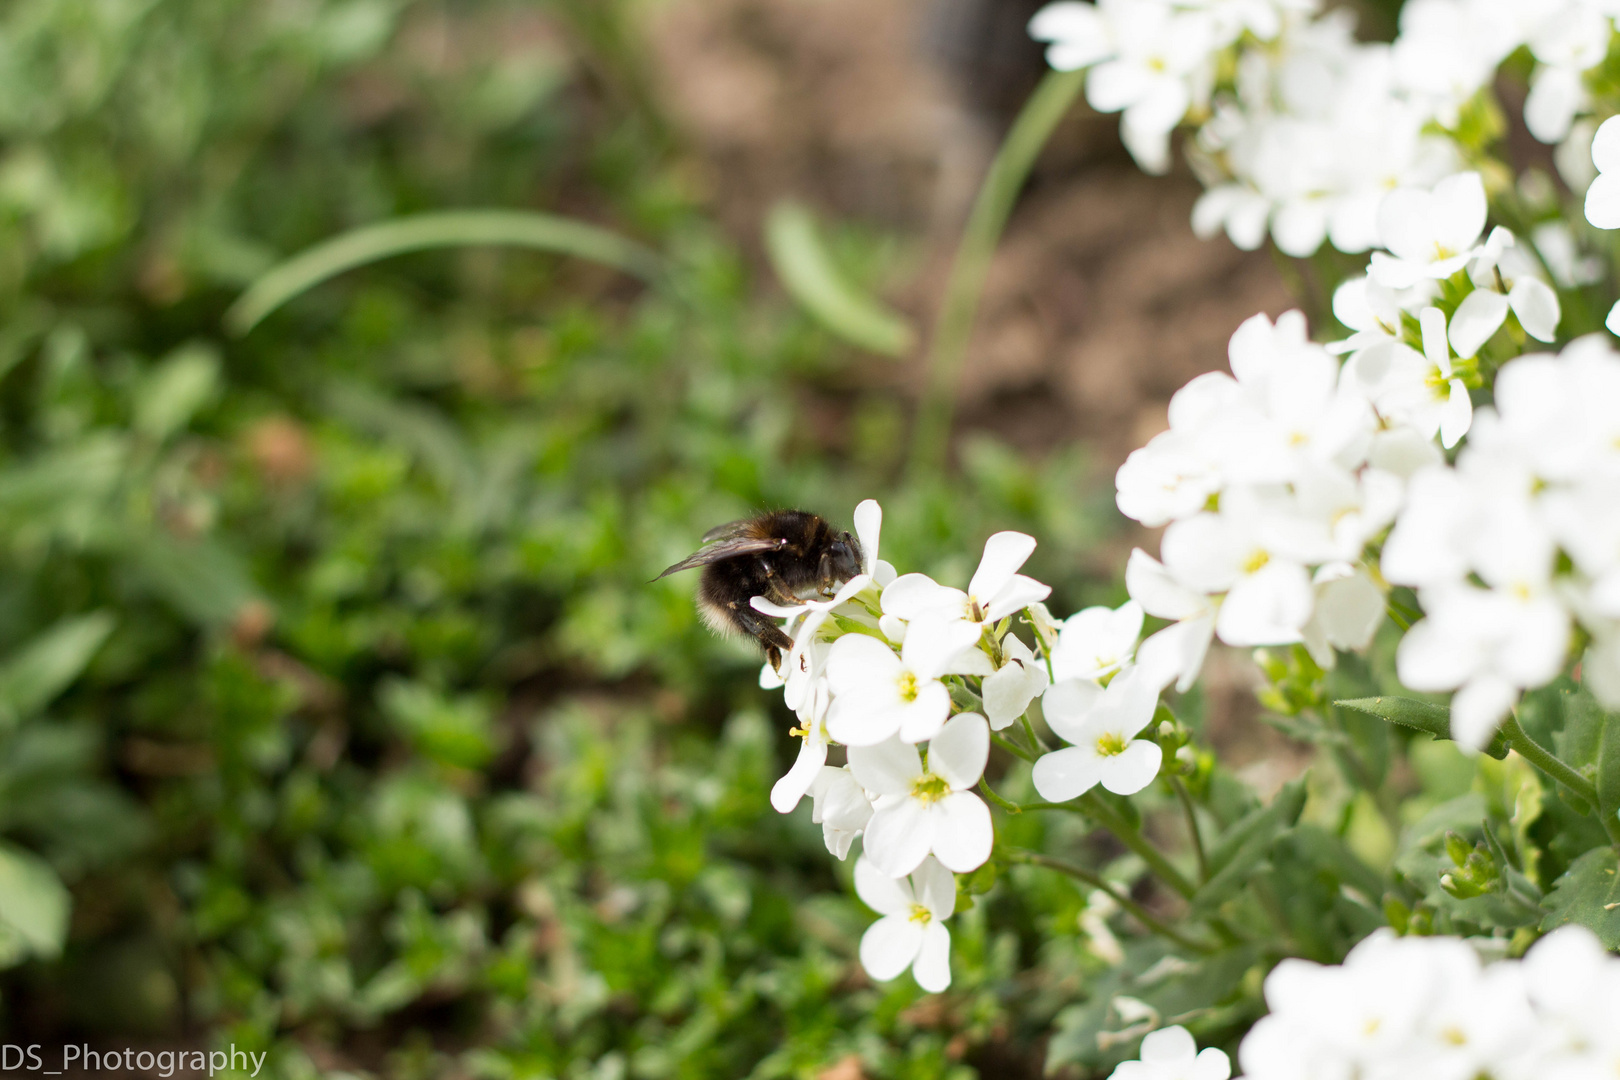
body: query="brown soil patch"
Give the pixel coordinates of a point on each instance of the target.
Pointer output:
(1101, 302)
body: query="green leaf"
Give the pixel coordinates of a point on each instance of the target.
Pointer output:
(1421, 715)
(203, 580)
(1588, 895)
(48, 664)
(185, 382)
(456, 228)
(808, 273)
(1242, 846)
(34, 904)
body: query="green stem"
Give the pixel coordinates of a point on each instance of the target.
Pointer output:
(1185, 799)
(1559, 770)
(960, 304)
(997, 800)
(1141, 914)
(1029, 732)
(1011, 747)
(1088, 805)
(1132, 838)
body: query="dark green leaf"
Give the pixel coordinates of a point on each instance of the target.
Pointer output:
(1588, 895)
(48, 664)
(1242, 846)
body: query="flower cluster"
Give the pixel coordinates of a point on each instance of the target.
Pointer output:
(1278, 482)
(911, 677)
(1518, 541)
(1301, 129)
(1415, 1006)
(1272, 480)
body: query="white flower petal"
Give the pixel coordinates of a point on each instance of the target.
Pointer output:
(935, 887)
(1456, 415)
(1068, 773)
(787, 792)
(959, 752)
(1171, 1045)
(931, 645)
(932, 968)
(880, 892)
(1015, 596)
(921, 720)
(1479, 708)
(1603, 200)
(889, 946)
(899, 835)
(1067, 704)
(1479, 316)
(1536, 305)
(855, 661)
(1004, 553)
(868, 530)
(1606, 146)
(915, 596)
(1159, 593)
(962, 833)
(1132, 770)
(889, 768)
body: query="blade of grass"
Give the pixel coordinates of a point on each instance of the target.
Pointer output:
(455, 228)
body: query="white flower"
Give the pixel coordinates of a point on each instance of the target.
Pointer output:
(1268, 595)
(1349, 610)
(1374, 312)
(911, 932)
(1102, 725)
(1487, 644)
(1482, 311)
(1171, 1054)
(1430, 234)
(996, 590)
(1178, 651)
(920, 810)
(787, 792)
(1080, 35)
(1158, 68)
(1420, 388)
(1603, 197)
(877, 694)
(1097, 641)
(1017, 682)
(841, 808)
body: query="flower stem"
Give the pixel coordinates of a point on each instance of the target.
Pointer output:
(1197, 837)
(1088, 805)
(1034, 739)
(1011, 747)
(997, 800)
(1040, 115)
(1141, 914)
(1132, 838)
(1558, 769)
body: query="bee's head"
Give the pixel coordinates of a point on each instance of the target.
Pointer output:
(845, 555)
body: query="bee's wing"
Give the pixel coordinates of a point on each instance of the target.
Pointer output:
(726, 549)
(731, 530)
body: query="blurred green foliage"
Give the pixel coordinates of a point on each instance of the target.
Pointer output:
(337, 715)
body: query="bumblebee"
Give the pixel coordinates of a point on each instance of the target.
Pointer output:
(786, 556)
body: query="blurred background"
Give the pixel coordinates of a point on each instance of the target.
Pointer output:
(338, 717)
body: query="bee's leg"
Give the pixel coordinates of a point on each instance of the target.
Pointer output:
(761, 628)
(825, 575)
(775, 591)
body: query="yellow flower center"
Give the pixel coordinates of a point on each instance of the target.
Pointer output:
(908, 686)
(1256, 560)
(929, 788)
(1109, 744)
(920, 914)
(1454, 1036)
(1438, 384)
